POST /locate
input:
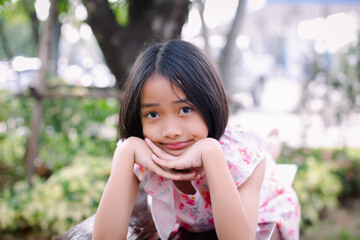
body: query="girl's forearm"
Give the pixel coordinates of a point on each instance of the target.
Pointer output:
(230, 217)
(117, 202)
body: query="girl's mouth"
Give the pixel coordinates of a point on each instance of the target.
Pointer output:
(176, 145)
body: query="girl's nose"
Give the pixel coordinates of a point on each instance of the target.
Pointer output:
(171, 129)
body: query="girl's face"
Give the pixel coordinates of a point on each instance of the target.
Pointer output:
(168, 118)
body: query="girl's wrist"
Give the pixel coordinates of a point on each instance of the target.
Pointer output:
(129, 146)
(211, 153)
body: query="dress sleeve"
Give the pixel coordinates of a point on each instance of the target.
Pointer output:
(243, 152)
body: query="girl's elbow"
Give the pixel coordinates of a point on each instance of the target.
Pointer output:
(237, 233)
(107, 236)
(104, 232)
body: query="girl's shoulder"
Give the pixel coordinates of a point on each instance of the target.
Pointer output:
(235, 136)
(243, 151)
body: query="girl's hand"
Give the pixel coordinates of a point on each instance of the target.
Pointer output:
(142, 156)
(190, 160)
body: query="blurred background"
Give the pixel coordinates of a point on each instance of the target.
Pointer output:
(293, 65)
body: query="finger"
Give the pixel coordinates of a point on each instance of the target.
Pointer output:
(174, 176)
(176, 166)
(153, 146)
(163, 163)
(150, 143)
(158, 151)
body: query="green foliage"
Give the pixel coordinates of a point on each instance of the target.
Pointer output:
(71, 127)
(77, 126)
(344, 235)
(77, 141)
(316, 183)
(53, 206)
(349, 173)
(121, 11)
(17, 27)
(63, 6)
(318, 188)
(14, 122)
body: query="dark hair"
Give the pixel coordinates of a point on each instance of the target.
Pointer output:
(186, 66)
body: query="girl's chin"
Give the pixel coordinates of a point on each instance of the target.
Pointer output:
(175, 153)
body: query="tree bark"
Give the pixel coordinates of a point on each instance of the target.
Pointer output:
(227, 56)
(30, 10)
(31, 152)
(38, 91)
(204, 29)
(149, 21)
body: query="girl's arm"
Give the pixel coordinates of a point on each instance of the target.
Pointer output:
(118, 199)
(235, 210)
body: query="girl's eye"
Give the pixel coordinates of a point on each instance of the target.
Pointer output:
(152, 115)
(185, 110)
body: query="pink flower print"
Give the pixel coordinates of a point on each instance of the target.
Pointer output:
(280, 190)
(291, 201)
(160, 179)
(198, 181)
(140, 169)
(210, 218)
(206, 196)
(245, 155)
(264, 205)
(181, 206)
(190, 201)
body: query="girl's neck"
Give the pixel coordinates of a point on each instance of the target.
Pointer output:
(185, 187)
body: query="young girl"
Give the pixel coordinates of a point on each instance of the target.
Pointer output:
(174, 141)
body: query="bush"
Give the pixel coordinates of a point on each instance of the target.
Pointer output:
(318, 188)
(349, 173)
(53, 206)
(71, 127)
(316, 182)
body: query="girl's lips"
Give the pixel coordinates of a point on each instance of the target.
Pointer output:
(176, 145)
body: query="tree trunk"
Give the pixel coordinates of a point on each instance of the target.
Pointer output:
(54, 52)
(30, 10)
(38, 91)
(31, 152)
(227, 56)
(204, 29)
(149, 20)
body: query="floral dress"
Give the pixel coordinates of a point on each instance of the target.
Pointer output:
(243, 151)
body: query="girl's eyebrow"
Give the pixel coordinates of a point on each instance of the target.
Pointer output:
(185, 100)
(146, 105)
